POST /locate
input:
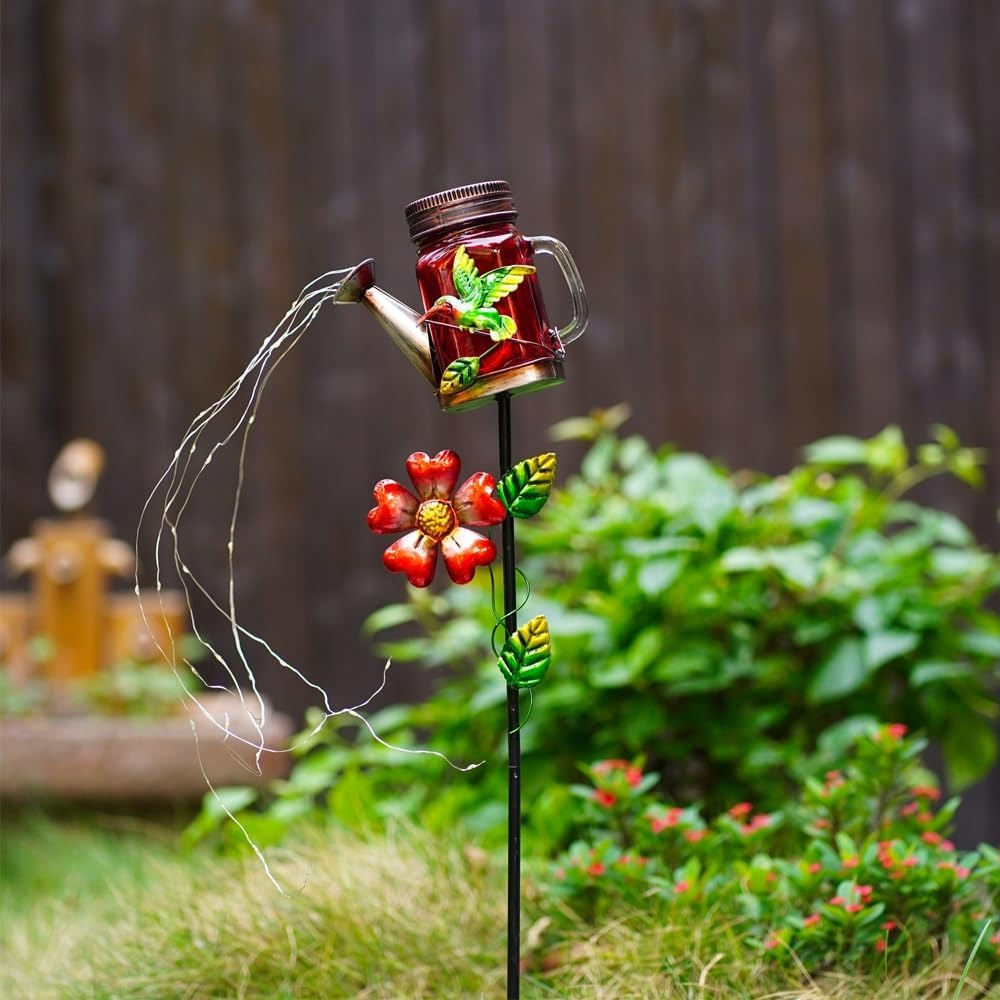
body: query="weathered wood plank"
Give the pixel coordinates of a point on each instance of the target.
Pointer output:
(793, 43)
(26, 431)
(863, 275)
(744, 349)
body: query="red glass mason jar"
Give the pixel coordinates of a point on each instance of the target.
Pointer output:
(485, 317)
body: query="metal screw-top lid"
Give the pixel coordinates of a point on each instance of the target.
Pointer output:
(487, 201)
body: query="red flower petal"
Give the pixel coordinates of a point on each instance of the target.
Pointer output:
(396, 510)
(463, 551)
(435, 477)
(476, 503)
(415, 555)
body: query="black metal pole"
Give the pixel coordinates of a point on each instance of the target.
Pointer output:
(513, 728)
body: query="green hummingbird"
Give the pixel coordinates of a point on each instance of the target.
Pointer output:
(472, 309)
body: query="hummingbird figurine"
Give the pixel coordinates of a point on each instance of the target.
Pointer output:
(472, 308)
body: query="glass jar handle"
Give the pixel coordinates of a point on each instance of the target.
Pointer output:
(581, 309)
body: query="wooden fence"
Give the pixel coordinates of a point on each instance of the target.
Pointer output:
(787, 213)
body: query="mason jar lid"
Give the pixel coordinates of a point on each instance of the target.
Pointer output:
(486, 201)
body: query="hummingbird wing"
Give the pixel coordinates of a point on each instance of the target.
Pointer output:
(465, 274)
(500, 282)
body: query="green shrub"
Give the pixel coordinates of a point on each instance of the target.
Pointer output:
(857, 873)
(728, 624)
(737, 628)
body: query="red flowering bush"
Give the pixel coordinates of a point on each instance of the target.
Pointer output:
(858, 870)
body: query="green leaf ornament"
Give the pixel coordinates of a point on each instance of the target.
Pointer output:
(526, 654)
(525, 489)
(460, 374)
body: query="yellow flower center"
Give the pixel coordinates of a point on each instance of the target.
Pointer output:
(436, 519)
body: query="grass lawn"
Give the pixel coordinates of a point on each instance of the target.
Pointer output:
(108, 908)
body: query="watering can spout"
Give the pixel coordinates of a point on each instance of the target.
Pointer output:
(398, 320)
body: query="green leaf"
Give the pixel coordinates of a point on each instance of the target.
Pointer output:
(695, 488)
(966, 464)
(743, 558)
(388, 617)
(460, 374)
(945, 436)
(798, 564)
(215, 810)
(836, 740)
(810, 511)
(525, 489)
(526, 654)
(881, 647)
(887, 451)
(959, 562)
(969, 751)
(874, 612)
(841, 673)
(840, 450)
(981, 643)
(934, 670)
(656, 576)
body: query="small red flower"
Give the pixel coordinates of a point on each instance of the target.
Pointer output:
(597, 868)
(607, 766)
(604, 798)
(928, 792)
(815, 868)
(911, 862)
(930, 837)
(897, 730)
(771, 943)
(925, 817)
(946, 845)
(812, 920)
(961, 872)
(821, 824)
(436, 518)
(909, 809)
(633, 775)
(850, 862)
(864, 891)
(693, 836)
(672, 817)
(888, 925)
(854, 908)
(837, 901)
(880, 945)
(741, 809)
(681, 887)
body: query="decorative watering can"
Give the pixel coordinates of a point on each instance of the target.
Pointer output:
(484, 329)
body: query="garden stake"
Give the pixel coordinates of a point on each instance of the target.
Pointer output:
(513, 725)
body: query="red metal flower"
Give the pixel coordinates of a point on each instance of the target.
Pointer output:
(435, 518)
